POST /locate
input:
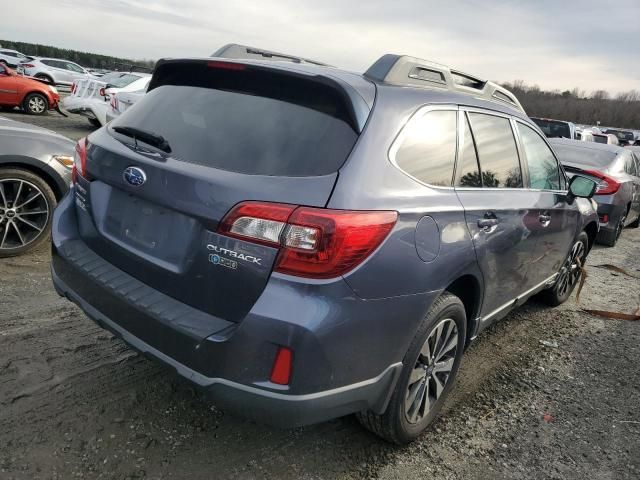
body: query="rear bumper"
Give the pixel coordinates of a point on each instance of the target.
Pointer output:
(612, 212)
(270, 407)
(347, 351)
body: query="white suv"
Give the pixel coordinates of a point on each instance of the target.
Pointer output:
(54, 70)
(11, 58)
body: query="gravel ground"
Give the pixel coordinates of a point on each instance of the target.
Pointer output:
(76, 403)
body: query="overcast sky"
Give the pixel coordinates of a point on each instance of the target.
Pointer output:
(553, 43)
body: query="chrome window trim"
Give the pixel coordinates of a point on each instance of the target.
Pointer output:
(397, 141)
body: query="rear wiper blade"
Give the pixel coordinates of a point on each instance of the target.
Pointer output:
(151, 138)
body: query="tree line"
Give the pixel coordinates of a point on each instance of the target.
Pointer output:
(86, 59)
(621, 110)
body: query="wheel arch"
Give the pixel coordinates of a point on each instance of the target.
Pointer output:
(39, 168)
(468, 289)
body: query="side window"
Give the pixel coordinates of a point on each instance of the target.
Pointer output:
(73, 67)
(427, 148)
(497, 151)
(543, 166)
(468, 172)
(49, 63)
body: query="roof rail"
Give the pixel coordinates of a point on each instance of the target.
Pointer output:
(234, 50)
(405, 70)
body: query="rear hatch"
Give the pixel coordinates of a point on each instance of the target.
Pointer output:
(230, 133)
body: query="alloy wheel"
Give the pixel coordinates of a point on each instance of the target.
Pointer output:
(431, 371)
(24, 213)
(571, 269)
(37, 104)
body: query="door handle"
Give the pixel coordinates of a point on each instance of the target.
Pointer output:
(489, 222)
(545, 220)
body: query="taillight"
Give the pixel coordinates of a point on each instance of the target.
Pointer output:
(80, 160)
(27, 65)
(313, 242)
(74, 87)
(114, 102)
(102, 92)
(607, 185)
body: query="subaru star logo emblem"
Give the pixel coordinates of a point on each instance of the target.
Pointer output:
(134, 176)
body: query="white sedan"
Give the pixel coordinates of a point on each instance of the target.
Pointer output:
(91, 98)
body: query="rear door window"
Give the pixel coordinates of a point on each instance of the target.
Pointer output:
(248, 122)
(543, 166)
(497, 151)
(427, 147)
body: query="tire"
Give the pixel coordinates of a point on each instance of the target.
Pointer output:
(569, 273)
(42, 76)
(95, 122)
(35, 104)
(404, 420)
(23, 228)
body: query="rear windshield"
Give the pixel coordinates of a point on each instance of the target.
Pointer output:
(246, 123)
(622, 136)
(588, 157)
(119, 80)
(553, 129)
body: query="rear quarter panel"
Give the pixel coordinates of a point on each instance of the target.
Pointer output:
(369, 181)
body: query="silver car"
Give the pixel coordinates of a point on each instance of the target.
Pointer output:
(35, 173)
(54, 70)
(617, 173)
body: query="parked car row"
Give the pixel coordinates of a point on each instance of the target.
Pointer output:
(304, 242)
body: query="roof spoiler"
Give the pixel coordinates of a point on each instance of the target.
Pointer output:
(234, 50)
(404, 70)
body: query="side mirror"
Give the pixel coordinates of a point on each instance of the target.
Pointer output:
(581, 187)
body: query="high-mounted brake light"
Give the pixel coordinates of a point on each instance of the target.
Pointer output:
(80, 160)
(607, 185)
(226, 65)
(313, 242)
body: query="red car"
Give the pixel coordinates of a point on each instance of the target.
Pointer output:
(33, 96)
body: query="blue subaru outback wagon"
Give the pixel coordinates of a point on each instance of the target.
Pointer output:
(305, 243)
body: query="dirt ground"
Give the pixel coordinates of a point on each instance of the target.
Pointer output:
(76, 403)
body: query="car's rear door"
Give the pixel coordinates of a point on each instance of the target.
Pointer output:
(236, 134)
(490, 187)
(552, 219)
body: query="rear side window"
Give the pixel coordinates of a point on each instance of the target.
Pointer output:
(252, 122)
(427, 149)
(497, 151)
(543, 166)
